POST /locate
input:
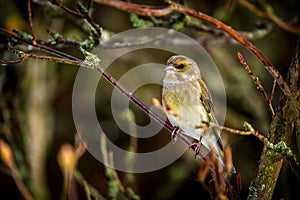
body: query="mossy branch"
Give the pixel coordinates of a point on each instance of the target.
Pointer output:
(282, 127)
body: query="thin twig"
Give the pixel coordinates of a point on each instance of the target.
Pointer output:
(268, 13)
(272, 91)
(80, 147)
(221, 37)
(138, 8)
(81, 14)
(6, 155)
(55, 59)
(89, 189)
(257, 82)
(25, 56)
(249, 131)
(115, 175)
(10, 62)
(39, 45)
(30, 21)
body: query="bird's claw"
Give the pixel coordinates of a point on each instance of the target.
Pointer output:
(174, 134)
(196, 146)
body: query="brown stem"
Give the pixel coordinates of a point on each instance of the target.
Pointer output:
(272, 91)
(137, 8)
(256, 81)
(30, 18)
(250, 131)
(10, 62)
(30, 21)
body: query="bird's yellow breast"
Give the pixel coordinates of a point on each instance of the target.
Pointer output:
(171, 101)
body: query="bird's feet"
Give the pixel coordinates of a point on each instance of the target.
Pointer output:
(174, 134)
(196, 146)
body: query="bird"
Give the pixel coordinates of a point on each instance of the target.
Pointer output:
(188, 105)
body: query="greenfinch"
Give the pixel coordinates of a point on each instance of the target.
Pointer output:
(188, 104)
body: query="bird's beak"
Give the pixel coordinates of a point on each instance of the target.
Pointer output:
(169, 68)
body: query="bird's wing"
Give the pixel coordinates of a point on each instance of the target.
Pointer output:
(205, 99)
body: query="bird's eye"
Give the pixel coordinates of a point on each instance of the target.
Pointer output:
(180, 66)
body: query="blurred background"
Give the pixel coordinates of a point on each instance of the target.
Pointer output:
(36, 118)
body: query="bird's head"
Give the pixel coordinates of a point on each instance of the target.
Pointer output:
(181, 68)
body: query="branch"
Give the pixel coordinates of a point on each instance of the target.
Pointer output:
(30, 19)
(223, 38)
(257, 82)
(249, 130)
(137, 8)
